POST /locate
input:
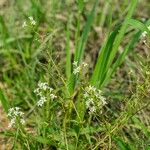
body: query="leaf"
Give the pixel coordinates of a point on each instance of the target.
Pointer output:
(4, 101)
(42, 140)
(122, 145)
(109, 50)
(139, 25)
(103, 57)
(141, 126)
(68, 55)
(120, 58)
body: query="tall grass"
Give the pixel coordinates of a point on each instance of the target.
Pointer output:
(71, 111)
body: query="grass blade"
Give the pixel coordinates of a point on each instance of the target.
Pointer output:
(139, 25)
(4, 101)
(68, 54)
(127, 49)
(120, 59)
(104, 62)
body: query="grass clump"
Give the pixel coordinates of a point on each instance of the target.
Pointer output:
(59, 91)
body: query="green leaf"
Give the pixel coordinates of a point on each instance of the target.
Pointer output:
(80, 5)
(141, 126)
(68, 54)
(139, 25)
(4, 101)
(122, 145)
(43, 140)
(102, 60)
(121, 58)
(109, 50)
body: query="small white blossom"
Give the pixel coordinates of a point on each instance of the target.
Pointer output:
(144, 34)
(76, 70)
(43, 86)
(24, 24)
(32, 21)
(84, 64)
(75, 63)
(30, 18)
(86, 95)
(94, 100)
(92, 110)
(50, 89)
(59, 113)
(22, 121)
(12, 122)
(42, 90)
(52, 96)
(15, 113)
(89, 102)
(41, 101)
(37, 90)
(90, 89)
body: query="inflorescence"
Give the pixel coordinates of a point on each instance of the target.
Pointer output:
(31, 22)
(42, 91)
(15, 115)
(94, 100)
(77, 68)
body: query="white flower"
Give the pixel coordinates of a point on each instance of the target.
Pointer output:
(42, 90)
(50, 89)
(89, 102)
(103, 99)
(92, 110)
(52, 96)
(94, 100)
(41, 101)
(84, 64)
(76, 70)
(32, 21)
(12, 122)
(144, 34)
(37, 90)
(43, 86)
(15, 113)
(24, 24)
(75, 63)
(30, 18)
(22, 121)
(90, 89)
(86, 95)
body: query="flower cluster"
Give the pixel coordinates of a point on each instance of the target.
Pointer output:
(41, 91)
(15, 114)
(94, 100)
(144, 34)
(31, 22)
(77, 68)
